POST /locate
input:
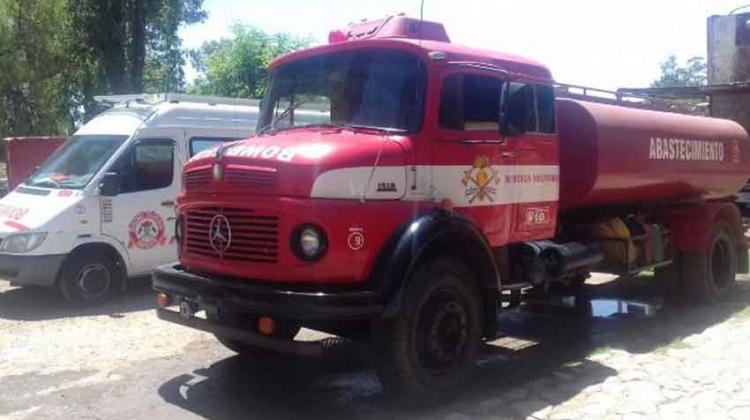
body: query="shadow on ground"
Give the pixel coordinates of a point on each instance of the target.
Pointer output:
(543, 349)
(43, 303)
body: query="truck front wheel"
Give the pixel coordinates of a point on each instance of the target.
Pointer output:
(709, 276)
(429, 350)
(88, 278)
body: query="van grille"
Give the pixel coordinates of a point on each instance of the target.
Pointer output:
(254, 237)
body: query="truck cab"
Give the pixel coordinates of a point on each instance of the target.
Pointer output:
(432, 184)
(101, 208)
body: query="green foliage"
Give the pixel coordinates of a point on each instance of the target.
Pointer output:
(237, 66)
(55, 55)
(34, 84)
(693, 73)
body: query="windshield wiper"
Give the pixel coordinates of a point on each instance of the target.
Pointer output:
(285, 113)
(46, 183)
(383, 130)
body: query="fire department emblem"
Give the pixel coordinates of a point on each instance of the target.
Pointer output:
(220, 234)
(480, 180)
(146, 230)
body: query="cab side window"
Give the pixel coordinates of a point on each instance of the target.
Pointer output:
(149, 165)
(470, 102)
(531, 107)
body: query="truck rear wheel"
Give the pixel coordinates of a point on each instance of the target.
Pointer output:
(429, 350)
(709, 276)
(284, 331)
(88, 278)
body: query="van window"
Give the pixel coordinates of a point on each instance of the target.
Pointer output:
(148, 166)
(199, 144)
(470, 102)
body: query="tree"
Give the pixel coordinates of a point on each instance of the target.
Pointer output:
(134, 42)
(693, 73)
(34, 56)
(237, 66)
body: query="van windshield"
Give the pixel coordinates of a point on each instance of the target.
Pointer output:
(76, 162)
(366, 88)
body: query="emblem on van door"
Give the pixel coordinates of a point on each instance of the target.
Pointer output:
(146, 230)
(480, 180)
(220, 234)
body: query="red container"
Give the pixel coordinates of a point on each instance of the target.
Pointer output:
(24, 154)
(612, 155)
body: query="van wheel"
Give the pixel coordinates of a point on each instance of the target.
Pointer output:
(284, 331)
(429, 350)
(709, 276)
(88, 278)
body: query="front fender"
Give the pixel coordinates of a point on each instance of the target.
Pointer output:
(429, 235)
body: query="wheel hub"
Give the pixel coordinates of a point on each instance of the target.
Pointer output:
(93, 281)
(443, 332)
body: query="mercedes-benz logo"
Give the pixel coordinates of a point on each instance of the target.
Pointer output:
(220, 234)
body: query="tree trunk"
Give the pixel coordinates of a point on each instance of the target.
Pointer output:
(138, 51)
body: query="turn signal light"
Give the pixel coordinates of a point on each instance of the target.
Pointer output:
(266, 325)
(163, 300)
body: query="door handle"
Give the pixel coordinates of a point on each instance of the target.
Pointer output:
(167, 203)
(507, 154)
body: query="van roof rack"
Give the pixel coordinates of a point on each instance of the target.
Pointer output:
(158, 98)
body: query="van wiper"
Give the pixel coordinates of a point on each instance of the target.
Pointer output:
(382, 130)
(48, 183)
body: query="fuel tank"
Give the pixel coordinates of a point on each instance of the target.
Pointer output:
(614, 155)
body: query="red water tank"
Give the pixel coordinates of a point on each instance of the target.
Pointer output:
(614, 155)
(24, 154)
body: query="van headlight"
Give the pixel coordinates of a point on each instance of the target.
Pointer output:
(309, 242)
(20, 243)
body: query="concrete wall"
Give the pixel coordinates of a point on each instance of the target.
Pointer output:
(728, 49)
(729, 62)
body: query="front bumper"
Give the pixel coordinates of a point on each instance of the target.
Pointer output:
(236, 294)
(30, 270)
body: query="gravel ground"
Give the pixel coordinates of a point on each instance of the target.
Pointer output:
(620, 355)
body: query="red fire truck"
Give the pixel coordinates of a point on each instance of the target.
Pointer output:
(437, 177)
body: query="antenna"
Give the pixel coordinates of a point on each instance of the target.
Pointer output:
(421, 20)
(739, 8)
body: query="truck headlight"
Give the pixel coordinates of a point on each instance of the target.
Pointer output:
(22, 242)
(309, 242)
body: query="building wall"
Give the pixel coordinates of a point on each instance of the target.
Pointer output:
(729, 62)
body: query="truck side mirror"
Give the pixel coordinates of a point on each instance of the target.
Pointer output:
(511, 113)
(110, 185)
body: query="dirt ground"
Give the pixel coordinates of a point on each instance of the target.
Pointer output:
(622, 354)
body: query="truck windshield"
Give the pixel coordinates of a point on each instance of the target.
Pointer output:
(76, 162)
(370, 88)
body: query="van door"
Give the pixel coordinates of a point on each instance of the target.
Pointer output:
(141, 216)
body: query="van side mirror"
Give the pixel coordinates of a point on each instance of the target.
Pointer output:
(110, 185)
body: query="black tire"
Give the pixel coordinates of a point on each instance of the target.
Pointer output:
(285, 330)
(88, 278)
(709, 276)
(428, 351)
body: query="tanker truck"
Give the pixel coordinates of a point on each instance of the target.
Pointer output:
(440, 177)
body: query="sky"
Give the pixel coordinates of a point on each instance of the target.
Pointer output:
(599, 43)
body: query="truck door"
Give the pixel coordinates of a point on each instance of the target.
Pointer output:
(470, 159)
(141, 216)
(535, 179)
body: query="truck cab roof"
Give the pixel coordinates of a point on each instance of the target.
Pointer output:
(399, 32)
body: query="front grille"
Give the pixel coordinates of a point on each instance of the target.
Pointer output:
(251, 176)
(254, 237)
(201, 179)
(198, 179)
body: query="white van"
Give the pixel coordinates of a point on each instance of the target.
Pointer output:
(100, 209)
